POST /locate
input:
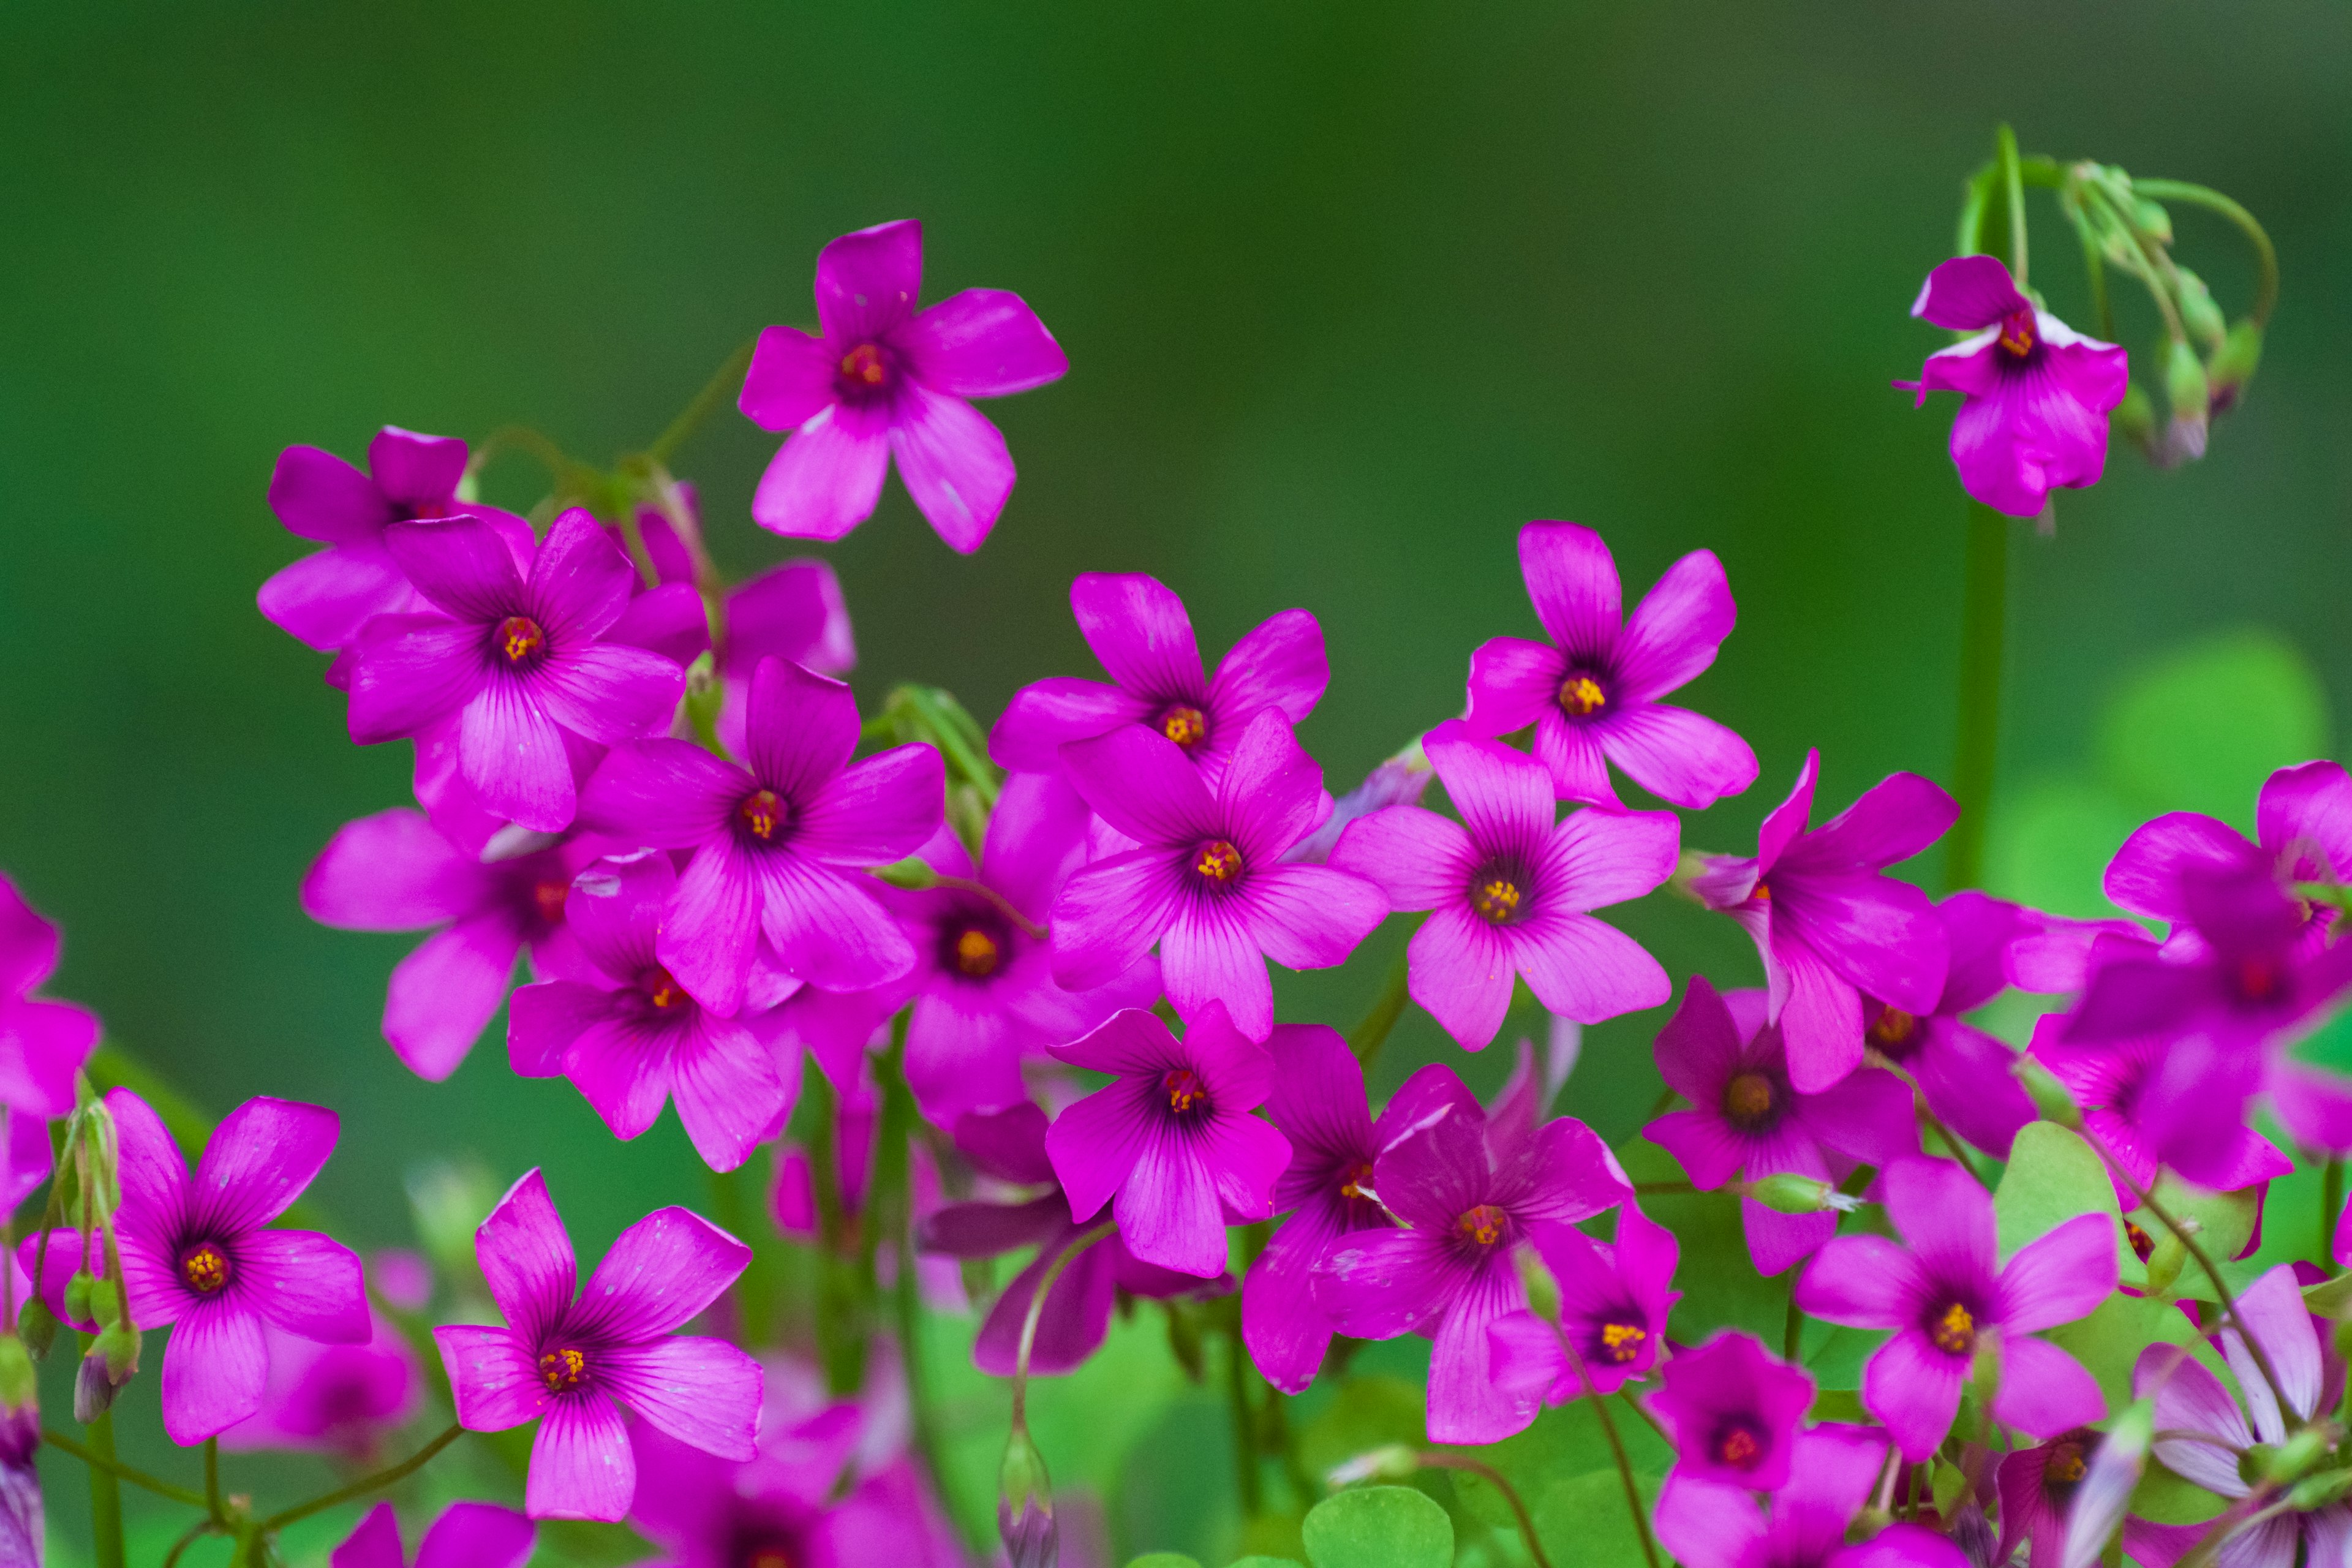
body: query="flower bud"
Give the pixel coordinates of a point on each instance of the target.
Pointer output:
(1024, 1504)
(2191, 399)
(2135, 420)
(1787, 1193)
(706, 694)
(77, 1291)
(38, 1326)
(2164, 1262)
(2197, 312)
(19, 1384)
(1395, 1462)
(2049, 1097)
(2294, 1457)
(2320, 1490)
(93, 1390)
(1866, 1523)
(2232, 366)
(1542, 1287)
(105, 1302)
(910, 873)
(119, 1342)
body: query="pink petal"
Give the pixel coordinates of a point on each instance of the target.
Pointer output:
(611, 693)
(1460, 969)
(1571, 753)
(954, 464)
(526, 1259)
(42, 1046)
(581, 1465)
(983, 342)
(1245, 1156)
(2061, 1276)
(801, 730)
(1167, 1206)
(1379, 1284)
(1776, 1241)
(1868, 1115)
(1573, 582)
(622, 1070)
(1677, 756)
(879, 810)
(1095, 1144)
(660, 1273)
(1208, 954)
(391, 871)
(1819, 1016)
(867, 282)
(1286, 1332)
(1138, 782)
(2145, 877)
(155, 1189)
(713, 927)
(581, 579)
(460, 565)
(419, 472)
(1704, 1525)
(1271, 793)
(324, 598)
(1505, 800)
(1048, 714)
(1699, 1048)
(29, 943)
(2191, 1399)
(318, 496)
(409, 671)
(790, 380)
(1310, 917)
(826, 931)
(1915, 1390)
(1675, 631)
(1513, 682)
(1467, 1405)
(1874, 932)
(1895, 819)
(374, 1544)
(1417, 857)
(671, 795)
(1863, 1282)
(443, 994)
(827, 475)
(794, 611)
(1138, 629)
(1785, 823)
(730, 1095)
(1109, 914)
(2309, 807)
(1702, 1142)
(474, 1535)
(1598, 858)
(1131, 1042)
(1948, 1219)
(493, 1379)
(258, 1161)
(1967, 292)
(1281, 664)
(704, 1391)
(1584, 969)
(309, 1285)
(513, 756)
(216, 1368)
(2044, 1391)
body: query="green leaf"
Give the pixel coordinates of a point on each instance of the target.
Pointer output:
(1563, 1440)
(2054, 1176)
(2201, 729)
(1253, 1561)
(1378, 1527)
(2110, 1340)
(2163, 1498)
(1368, 1412)
(1584, 1520)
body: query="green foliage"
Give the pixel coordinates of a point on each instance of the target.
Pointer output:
(2110, 1340)
(1720, 1287)
(1163, 1559)
(2054, 1176)
(1378, 1527)
(1563, 1447)
(1584, 1519)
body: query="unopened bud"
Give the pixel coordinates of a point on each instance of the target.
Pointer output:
(1024, 1504)
(38, 1326)
(2165, 1261)
(706, 694)
(1542, 1287)
(1787, 1193)
(2051, 1098)
(93, 1390)
(2135, 419)
(105, 1302)
(2294, 1457)
(118, 1344)
(2232, 366)
(2197, 312)
(19, 1384)
(98, 1123)
(2189, 396)
(910, 873)
(2318, 1491)
(1396, 1462)
(77, 1291)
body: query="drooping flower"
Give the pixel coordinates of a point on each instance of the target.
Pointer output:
(1592, 691)
(521, 661)
(632, 1039)
(1510, 889)
(42, 1044)
(1009, 1146)
(1170, 1144)
(337, 1399)
(771, 842)
(2108, 1084)
(1747, 1118)
(1613, 1300)
(1948, 1291)
(2191, 1400)
(1967, 1076)
(883, 378)
(394, 871)
(467, 1535)
(1828, 925)
(2037, 1489)
(1467, 1184)
(2035, 392)
(195, 1255)
(1709, 1524)
(1734, 1411)
(577, 1364)
(1207, 880)
(1140, 631)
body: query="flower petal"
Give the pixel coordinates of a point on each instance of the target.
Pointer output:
(1281, 664)
(2044, 1391)
(1310, 917)
(729, 1093)
(1863, 1282)
(1379, 1284)
(879, 810)
(581, 1465)
(867, 282)
(791, 379)
(1513, 682)
(324, 598)
(1137, 781)
(826, 931)
(669, 794)
(1466, 1403)
(1681, 757)
(1597, 857)
(1675, 631)
(1046, 715)
(1418, 858)
(391, 871)
(1895, 819)
(827, 475)
(983, 342)
(309, 1285)
(1109, 914)
(1271, 793)
(1967, 292)
(704, 1391)
(1209, 955)
(442, 996)
(318, 496)
(1573, 754)
(1505, 800)
(1948, 1219)
(2061, 1276)
(1167, 1204)
(2146, 875)
(1460, 969)
(660, 1273)
(216, 1369)
(512, 757)
(1573, 581)
(259, 1160)
(611, 692)
(493, 1379)
(472, 1535)
(409, 671)
(1915, 1389)
(954, 463)
(526, 1259)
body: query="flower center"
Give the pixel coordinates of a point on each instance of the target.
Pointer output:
(662, 989)
(1186, 1093)
(1497, 900)
(767, 1555)
(1217, 862)
(1748, 1100)
(1760, 893)
(2143, 1245)
(1738, 1445)
(976, 953)
(2017, 333)
(1359, 1177)
(1580, 697)
(205, 1269)
(548, 894)
(2258, 976)
(2065, 1466)
(763, 814)
(1186, 726)
(1484, 1225)
(1891, 1032)
(521, 641)
(562, 1369)
(1954, 1330)
(1622, 1342)
(864, 367)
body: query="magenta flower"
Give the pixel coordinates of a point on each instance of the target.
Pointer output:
(2303, 823)
(1138, 629)
(1746, 1118)
(1510, 889)
(194, 1254)
(1943, 1294)
(2037, 1489)
(2109, 1084)
(1467, 1184)
(394, 871)
(1828, 925)
(1613, 1301)
(1009, 1146)
(1592, 692)
(337, 1399)
(1968, 1076)
(1709, 1524)
(632, 1039)
(578, 1363)
(770, 842)
(467, 1535)
(1170, 1143)
(1207, 880)
(521, 661)
(42, 1044)
(883, 378)
(1733, 1410)
(2035, 392)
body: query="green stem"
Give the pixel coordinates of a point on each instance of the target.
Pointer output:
(212, 1479)
(1494, 1477)
(2331, 1204)
(666, 445)
(391, 1476)
(1984, 618)
(1616, 1445)
(1958, 1151)
(840, 1305)
(106, 1479)
(1638, 1408)
(1045, 1277)
(896, 1156)
(2012, 183)
(2266, 289)
(98, 1455)
(1246, 1455)
(1368, 1036)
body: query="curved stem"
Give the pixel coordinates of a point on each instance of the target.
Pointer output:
(2266, 288)
(1494, 1477)
(365, 1484)
(1951, 1143)
(1984, 623)
(194, 1534)
(1367, 1037)
(1052, 1272)
(1003, 905)
(730, 370)
(1792, 1334)
(1616, 1445)
(2012, 183)
(106, 1464)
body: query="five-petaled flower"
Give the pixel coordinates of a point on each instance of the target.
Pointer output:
(1733, 1410)
(1613, 1300)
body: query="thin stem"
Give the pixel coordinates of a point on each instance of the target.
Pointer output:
(2013, 182)
(2331, 1205)
(1494, 1477)
(1245, 1456)
(899, 1118)
(194, 1534)
(1638, 1408)
(212, 1479)
(2266, 288)
(666, 445)
(1959, 1153)
(1367, 1037)
(1616, 1445)
(1045, 1279)
(1984, 620)
(392, 1475)
(1793, 1332)
(98, 1455)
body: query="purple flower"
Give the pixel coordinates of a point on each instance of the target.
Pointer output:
(1170, 1142)
(1207, 880)
(1467, 1186)
(2109, 1084)
(1968, 1076)
(1009, 1146)
(634, 1038)
(2037, 1493)
(2302, 821)
(1509, 888)
(1745, 1117)
(2035, 392)
(394, 871)
(1613, 1301)
(1138, 629)
(467, 1535)
(338, 1399)
(2189, 1399)
(577, 1364)
(1942, 1296)
(1827, 925)
(771, 842)
(882, 378)
(194, 1254)
(42, 1044)
(1592, 692)
(1733, 1410)
(521, 661)
(1707, 1524)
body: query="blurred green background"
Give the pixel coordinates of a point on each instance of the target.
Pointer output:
(1348, 291)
